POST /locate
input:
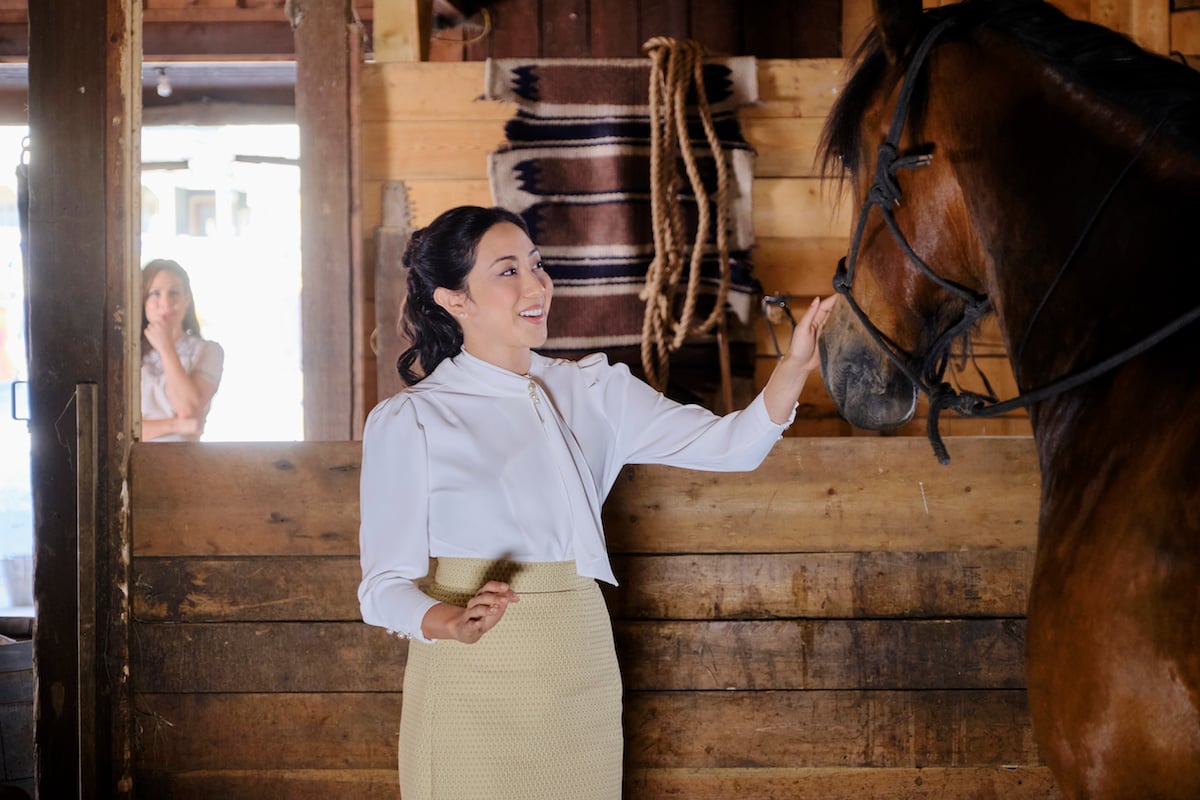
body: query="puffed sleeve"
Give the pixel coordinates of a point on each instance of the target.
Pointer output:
(652, 429)
(393, 508)
(210, 362)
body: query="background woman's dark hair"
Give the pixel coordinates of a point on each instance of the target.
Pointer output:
(441, 254)
(190, 323)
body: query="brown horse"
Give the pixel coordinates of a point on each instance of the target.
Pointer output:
(1010, 160)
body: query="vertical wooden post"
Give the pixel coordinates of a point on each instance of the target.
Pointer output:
(84, 95)
(402, 29)
(325, 93)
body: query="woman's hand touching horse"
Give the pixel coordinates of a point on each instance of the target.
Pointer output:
(787, 380)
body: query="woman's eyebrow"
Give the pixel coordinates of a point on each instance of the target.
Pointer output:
(534, 251)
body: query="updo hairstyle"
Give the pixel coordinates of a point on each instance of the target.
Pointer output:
(441, 254)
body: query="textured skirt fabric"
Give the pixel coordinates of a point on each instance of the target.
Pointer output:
(532, 711)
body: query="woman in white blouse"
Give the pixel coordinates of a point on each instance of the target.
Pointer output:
(180, 370)
(495, 461)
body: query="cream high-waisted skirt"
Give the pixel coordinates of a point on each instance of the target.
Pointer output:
(530, 711)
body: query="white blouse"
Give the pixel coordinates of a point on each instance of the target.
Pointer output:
(476, 461)
(198, 356)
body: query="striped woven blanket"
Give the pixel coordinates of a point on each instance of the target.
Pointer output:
(577, 168)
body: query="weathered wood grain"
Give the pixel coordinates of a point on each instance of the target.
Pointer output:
(822, 654)
(655, 656)
(805, 87)
(835, 495)
(783, 207)
(800, 266)
(965, 583)
(680, 730)
(433, 149)
(253, 589)
(828, 729)
(1185, 30)
(282, 498)
(956, 783)
(267, 657)
(429, 149)
(962, 583)
(336, 730)
(810, 495)
(256, 784)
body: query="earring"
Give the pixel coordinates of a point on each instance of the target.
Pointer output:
(462, 314)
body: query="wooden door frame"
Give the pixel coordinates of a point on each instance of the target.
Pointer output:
(84, 106)
(339, 370)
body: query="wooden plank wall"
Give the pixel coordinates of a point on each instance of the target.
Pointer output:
(421, 123)
(846, 622)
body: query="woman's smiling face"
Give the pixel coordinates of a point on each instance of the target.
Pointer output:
(504, 308)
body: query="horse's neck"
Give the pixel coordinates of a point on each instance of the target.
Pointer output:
(1087, 243)
(1071, 213)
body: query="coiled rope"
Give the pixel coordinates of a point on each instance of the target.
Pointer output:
(677, 66)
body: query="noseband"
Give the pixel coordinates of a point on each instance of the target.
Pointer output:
(927, 373)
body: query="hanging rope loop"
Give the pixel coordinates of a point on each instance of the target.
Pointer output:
(676, 68)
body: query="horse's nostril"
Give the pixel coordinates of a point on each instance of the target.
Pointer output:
(871, 394)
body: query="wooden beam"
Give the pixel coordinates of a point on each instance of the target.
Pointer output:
(402, 30)
(742, 655)
(809, 495)
(328, 149)
(1007, 782)
(972, 583)
(696, 730)
(84, 84)
(1185, 32)
(1147, 22)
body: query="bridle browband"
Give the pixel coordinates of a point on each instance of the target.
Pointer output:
(927, 374)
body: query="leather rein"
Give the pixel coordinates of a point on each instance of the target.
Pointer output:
(927, 374)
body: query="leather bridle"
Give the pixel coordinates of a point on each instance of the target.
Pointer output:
(927, 373)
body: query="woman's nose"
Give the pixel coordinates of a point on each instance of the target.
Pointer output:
(530, 285)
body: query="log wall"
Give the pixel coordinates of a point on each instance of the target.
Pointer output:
(846, 622)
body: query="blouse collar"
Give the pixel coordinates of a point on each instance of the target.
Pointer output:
(495, 378)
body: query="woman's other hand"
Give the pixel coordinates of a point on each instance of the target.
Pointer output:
(467, 625)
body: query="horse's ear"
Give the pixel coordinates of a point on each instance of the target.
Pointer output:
(897, 23)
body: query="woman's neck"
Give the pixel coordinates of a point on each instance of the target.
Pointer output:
(516, 360)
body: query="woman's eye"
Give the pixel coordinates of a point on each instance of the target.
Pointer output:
(509, 271)
(539, 265)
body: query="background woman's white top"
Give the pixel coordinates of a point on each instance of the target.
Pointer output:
(476, 461)
(198, 357)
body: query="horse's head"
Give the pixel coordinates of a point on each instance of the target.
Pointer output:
(891, 303)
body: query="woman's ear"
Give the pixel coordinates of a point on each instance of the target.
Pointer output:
(454, 302)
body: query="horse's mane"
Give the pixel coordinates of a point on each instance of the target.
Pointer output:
(1100, 62)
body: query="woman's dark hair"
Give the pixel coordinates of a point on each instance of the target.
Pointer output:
(190, 323)
(441, 254)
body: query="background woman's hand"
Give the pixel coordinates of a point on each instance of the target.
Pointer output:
(158, 334)
(803, 349)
